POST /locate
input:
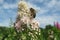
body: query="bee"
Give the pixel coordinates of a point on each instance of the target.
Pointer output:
(33, 12)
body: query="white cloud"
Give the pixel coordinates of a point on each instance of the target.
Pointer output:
(6, 5)
(43, 11)
(35, 1)
(37, 8)
(1, 10)
(9, 6)
(33, 6)
(51, 3)
(56, 16)
(45, 2)
(39, 1)
(44, 20)
(57, 6)
(48, 6)
(1, 1)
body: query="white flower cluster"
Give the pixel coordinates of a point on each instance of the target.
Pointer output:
(23, 9)
(35, 24)
(51, 35)
(25, 19)
(23, 5)
(25, 16)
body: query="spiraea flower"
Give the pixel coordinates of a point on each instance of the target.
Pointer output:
(25, 20)
(26, 16)
(23, 9)
(35, 25)
(18, 25)
(51, 35)
(23, 6)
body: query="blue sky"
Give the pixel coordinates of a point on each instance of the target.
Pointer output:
(48, 11)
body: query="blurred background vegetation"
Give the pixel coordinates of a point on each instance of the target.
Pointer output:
(48, 33)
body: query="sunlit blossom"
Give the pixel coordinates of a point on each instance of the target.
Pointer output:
(25, 20)
(35, 24)
(23, 5)
(36, 32)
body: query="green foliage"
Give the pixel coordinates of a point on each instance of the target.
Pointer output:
(43, 34)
